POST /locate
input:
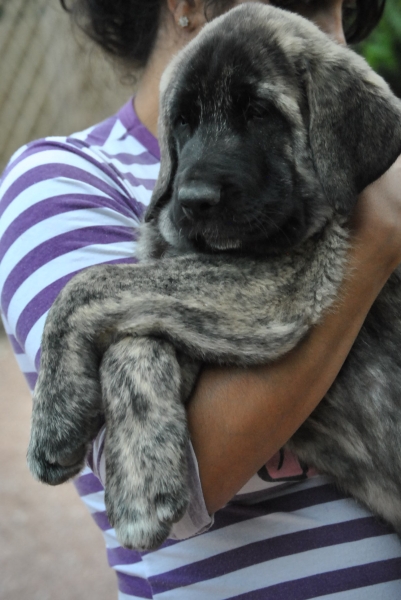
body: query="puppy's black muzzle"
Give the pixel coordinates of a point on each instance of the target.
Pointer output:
(232, 192)
(207, 168)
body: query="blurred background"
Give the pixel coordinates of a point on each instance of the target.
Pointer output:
(382, 49)
(53, 82)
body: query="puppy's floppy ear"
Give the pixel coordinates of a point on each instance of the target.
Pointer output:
(354, 126)
(168, 167)
(168, 154)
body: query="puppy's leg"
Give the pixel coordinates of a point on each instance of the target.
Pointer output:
(250, 320)
(146, 439)
(67, 406)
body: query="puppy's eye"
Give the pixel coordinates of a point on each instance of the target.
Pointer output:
(256, 111)
(183, 121)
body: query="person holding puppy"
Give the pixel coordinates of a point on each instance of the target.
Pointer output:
(276, 532)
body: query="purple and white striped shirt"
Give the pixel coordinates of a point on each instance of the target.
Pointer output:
(69, 203)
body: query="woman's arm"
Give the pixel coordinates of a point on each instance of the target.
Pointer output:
(239, 418)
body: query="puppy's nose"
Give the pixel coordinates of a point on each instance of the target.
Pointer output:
(197, 199)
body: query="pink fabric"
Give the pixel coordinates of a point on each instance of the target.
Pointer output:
(282, 466)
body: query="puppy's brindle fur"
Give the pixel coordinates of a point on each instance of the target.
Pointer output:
(268, 132)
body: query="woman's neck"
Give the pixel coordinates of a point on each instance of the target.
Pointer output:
(171, 39)
(146, 101)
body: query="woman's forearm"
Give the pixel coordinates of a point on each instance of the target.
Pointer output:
(239, 418)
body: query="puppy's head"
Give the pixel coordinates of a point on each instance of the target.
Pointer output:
(267, 129)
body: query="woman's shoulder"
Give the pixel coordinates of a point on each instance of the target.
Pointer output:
(110, 166)
(67, 203)
(117, 156)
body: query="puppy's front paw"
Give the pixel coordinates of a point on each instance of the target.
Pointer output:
(57, 447)
(143, 522)
(52, 465)
(62, 428)
(146, 483)
(146, 441)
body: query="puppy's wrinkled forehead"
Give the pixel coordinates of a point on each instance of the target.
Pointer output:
(209, 78)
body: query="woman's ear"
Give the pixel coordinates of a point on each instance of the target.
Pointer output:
(354, 123)
(189, 15)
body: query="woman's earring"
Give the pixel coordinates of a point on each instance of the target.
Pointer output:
(183, 21)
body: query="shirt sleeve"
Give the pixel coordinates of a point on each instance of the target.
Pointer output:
(60, 213)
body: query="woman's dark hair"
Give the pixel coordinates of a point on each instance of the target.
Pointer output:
(127, 29)
(360, 17)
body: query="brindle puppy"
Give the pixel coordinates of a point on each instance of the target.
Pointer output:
(268, 132)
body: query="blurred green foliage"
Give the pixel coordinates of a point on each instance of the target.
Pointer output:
(382, 49)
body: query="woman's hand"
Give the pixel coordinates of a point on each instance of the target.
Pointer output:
(239, 418)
